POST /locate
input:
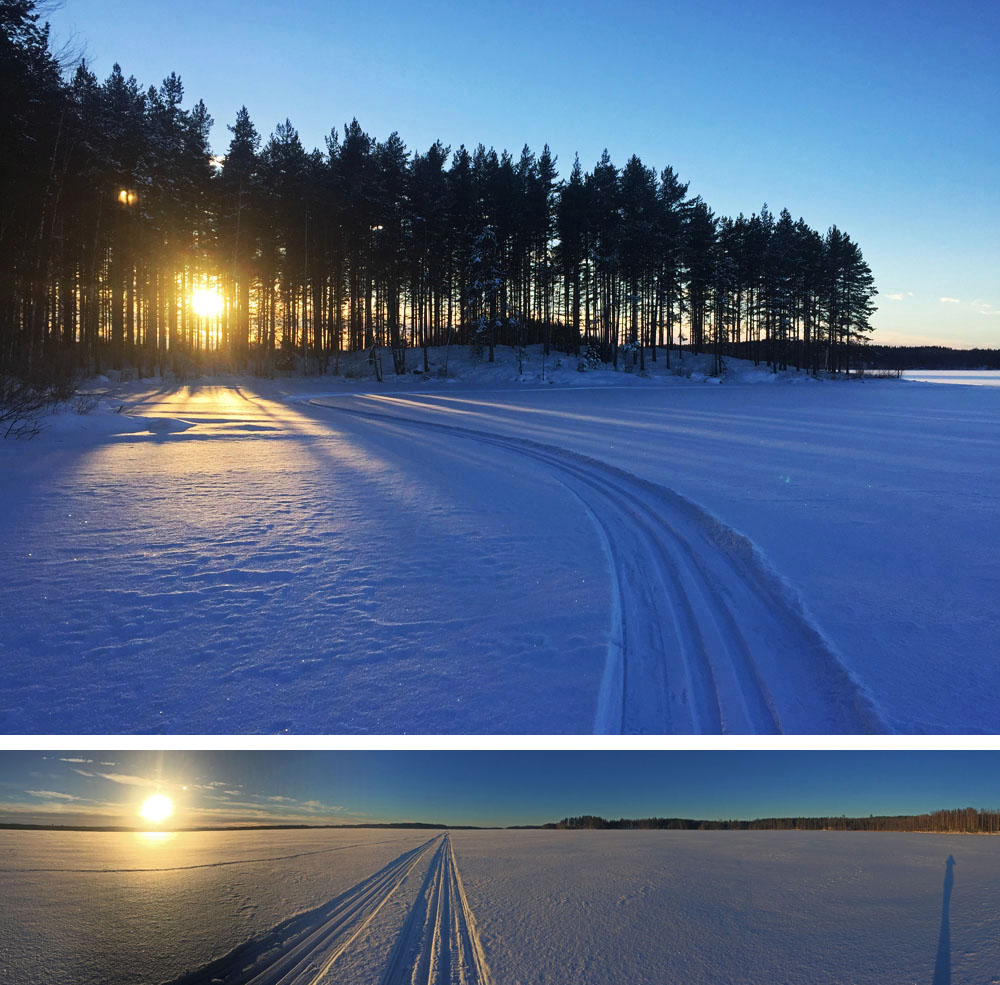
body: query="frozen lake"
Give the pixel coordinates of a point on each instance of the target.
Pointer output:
(560, 908)
(967, 377)
(638, 556)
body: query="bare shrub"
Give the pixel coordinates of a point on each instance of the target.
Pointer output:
(21, 404)
(84, 403)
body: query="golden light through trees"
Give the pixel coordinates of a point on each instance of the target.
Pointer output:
(156, 808)
(206, 302)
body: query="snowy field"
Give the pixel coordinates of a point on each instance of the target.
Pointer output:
(561, 908)
(502, 555)
(110, 908)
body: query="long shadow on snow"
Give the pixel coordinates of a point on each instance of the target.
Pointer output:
(942, 963)
(289, 943)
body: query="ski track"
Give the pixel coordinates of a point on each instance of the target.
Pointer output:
(706, 638)
(438, 943)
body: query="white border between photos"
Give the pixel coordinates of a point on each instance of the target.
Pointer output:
(540, 743)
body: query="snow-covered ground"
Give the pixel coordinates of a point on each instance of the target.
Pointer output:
(962, 377)
(88, 908)
(801, 908)
(493, 553)
(559, 908)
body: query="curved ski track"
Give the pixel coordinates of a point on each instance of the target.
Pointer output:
(706, 638)
(438, 943)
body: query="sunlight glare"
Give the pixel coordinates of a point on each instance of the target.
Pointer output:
(206, 302)
(157, 808)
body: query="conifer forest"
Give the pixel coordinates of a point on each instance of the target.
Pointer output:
(966, 820)
(126, 243)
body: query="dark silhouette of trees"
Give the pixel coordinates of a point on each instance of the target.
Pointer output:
(967, 820)
(116, 222)
(887, 357)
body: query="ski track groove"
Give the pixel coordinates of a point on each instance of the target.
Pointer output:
(303, 949)
(706, 638)
(437, 945)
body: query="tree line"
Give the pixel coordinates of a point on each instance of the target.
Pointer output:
(904, 357)
(125, 244)
(966, 820)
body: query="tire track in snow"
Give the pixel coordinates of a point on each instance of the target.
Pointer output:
(706, 637)
(303, 949)
(439, 944)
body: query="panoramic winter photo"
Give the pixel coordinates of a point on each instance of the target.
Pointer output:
(555, 868)
(417, 369)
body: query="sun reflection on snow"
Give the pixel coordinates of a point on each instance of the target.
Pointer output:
(154, 839)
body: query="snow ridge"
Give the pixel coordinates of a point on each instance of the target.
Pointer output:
(706, 637)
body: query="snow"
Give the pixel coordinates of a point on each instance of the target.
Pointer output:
(478, 554)
(547, 907)
(89, 908)
(799, 908)
(983, 377)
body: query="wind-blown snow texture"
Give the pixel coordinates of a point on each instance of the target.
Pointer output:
(604, 553)
(485, 907)
(800, 908)
(88, 908)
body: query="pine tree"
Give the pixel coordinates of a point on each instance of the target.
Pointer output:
(238, 222)
(700, 260)
(112, 212)
(571, 223)
(670, 242)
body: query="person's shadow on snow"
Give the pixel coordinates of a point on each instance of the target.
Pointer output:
(942, 964)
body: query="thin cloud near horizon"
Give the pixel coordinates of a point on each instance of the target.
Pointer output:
(200, 801)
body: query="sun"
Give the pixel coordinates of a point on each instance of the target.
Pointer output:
(157, 808)
(207, 303)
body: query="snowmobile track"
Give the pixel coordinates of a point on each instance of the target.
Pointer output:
(438, 943)
(706, 637)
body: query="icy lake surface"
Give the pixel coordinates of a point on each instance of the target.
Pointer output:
(560, 908)
(606, 553)
(982, 377)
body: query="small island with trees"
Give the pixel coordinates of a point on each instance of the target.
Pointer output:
(127, 245)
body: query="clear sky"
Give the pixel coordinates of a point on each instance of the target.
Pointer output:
(883, 118)
(487, 787)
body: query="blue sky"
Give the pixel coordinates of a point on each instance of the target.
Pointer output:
(882, 118)
(486, 787)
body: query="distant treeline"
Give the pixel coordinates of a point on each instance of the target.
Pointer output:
(968, 820)
(125, 244)
(903, 357)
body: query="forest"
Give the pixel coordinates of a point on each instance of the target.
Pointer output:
(904, 357)
(126, 244)
(967, 820)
